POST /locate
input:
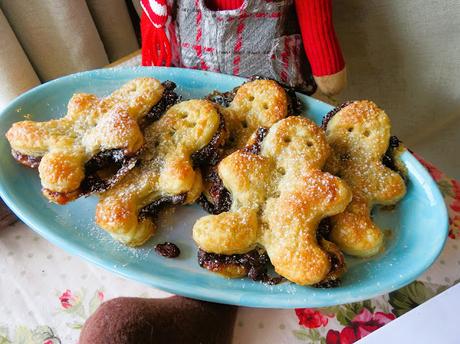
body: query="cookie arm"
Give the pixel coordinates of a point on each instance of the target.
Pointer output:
(388, 185)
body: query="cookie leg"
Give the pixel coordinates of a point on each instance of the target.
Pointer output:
(227, 233)
(355, 233)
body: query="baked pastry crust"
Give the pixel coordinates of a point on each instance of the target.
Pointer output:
(279, 197)
(165, 173)
(359, 134)
(91, 126)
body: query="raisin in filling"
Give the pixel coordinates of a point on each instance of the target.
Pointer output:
(220, 196)
(210, 154)
(168, 99)
(253, 264)
(222, 98)
(254, 148)
(389, 157)
(26, 160)
(332, 113)
(324, 229)
(336, 258)
(153, 209)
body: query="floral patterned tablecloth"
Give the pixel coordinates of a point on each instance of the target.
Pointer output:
(46, 294)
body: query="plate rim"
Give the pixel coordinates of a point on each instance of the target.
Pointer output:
(174, 285)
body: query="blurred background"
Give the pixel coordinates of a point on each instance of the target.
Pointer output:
(404, 55)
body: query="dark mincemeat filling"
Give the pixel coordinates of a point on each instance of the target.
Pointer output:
(222, 98)
(220, 198)
(210, 154)
(332, 113)
(26, 160)
(114, 163)
(168, 99)
(207, 159)
(255, 147)
(389, 157)
(152, 210)
(324, 229)
(254, 263)
(336, 258)
(336, 264)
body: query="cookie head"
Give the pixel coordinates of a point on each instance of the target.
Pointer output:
(296, 144)
(261, 103)
(360, 129)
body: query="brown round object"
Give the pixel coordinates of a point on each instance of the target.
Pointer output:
(176, 319)
(6, 215)
(167, 250)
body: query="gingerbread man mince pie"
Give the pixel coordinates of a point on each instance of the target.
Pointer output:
(359, 134)
(257, 103)
(167, 172)
(279, 196)
(94, 134)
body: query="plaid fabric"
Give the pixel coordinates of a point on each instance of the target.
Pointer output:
(256, 39)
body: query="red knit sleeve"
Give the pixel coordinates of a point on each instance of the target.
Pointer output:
(318, 35)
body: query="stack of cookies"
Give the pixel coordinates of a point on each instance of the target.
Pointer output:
(280, 189)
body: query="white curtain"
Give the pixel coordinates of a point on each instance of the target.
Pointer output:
(405, 55)
(45, 39)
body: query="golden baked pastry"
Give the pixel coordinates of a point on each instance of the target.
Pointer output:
(359, 135)
(166, 172)
(106, 128)
(258, 103)
(279, 196)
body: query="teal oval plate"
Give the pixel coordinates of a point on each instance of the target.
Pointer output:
(418, 225)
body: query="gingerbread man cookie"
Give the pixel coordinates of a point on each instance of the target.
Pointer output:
(279, 196)
(167, 171)
(257, 103)
(359, 134)
(106, 130)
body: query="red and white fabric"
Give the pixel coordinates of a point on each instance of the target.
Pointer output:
(247, 37)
